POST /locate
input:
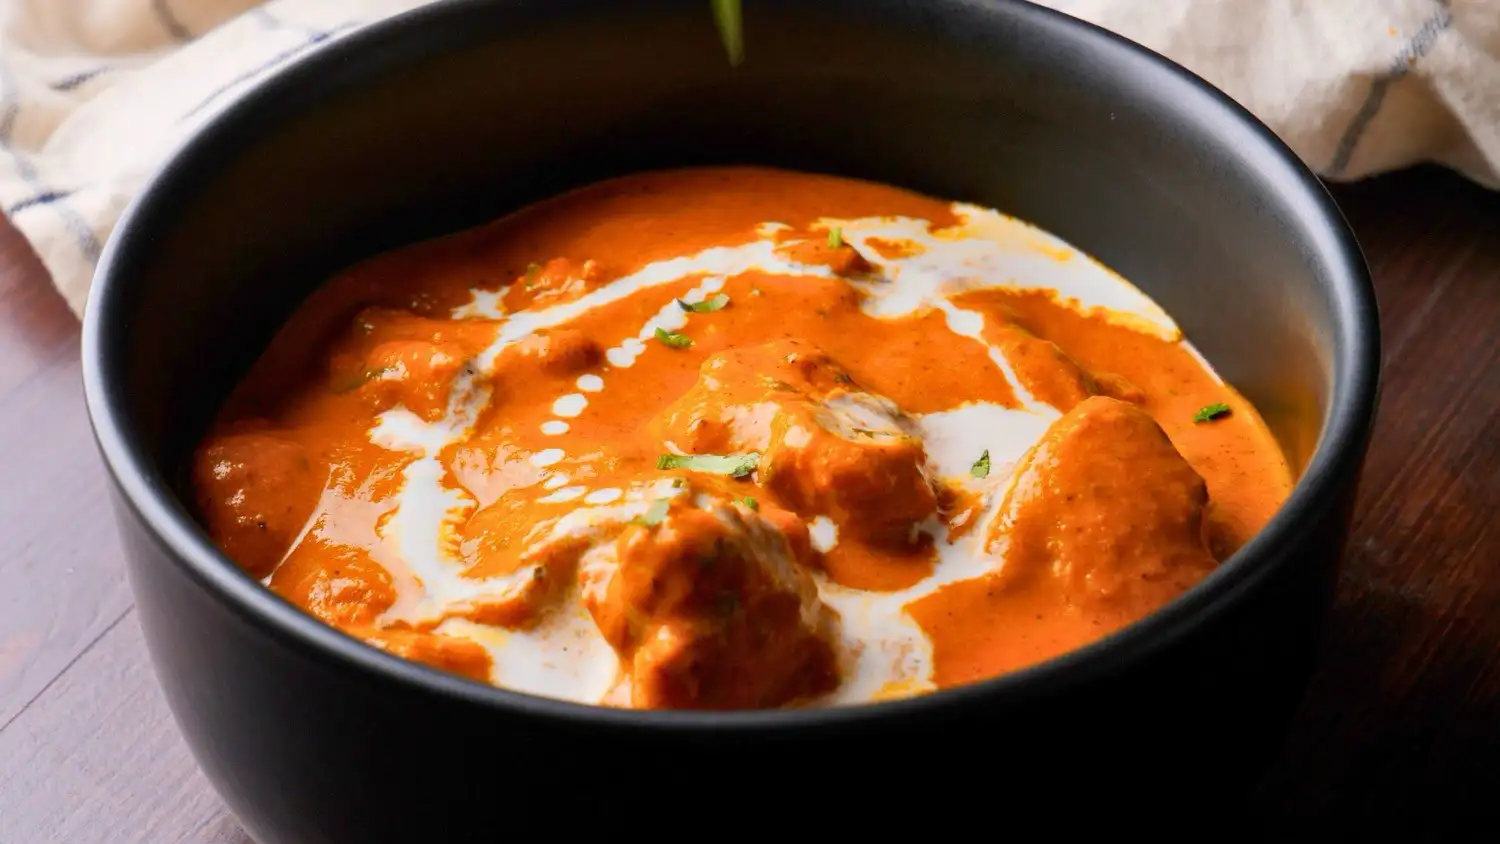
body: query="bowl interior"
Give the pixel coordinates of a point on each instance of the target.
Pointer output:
(414, 129)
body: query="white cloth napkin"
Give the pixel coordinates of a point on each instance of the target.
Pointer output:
(93, 93)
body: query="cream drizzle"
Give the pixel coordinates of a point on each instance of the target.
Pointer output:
(882, 645)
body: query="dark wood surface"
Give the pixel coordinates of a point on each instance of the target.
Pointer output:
(1400, 731)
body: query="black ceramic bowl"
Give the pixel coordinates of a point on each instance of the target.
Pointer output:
(463, 110)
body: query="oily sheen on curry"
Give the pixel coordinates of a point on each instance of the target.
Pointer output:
(734, 438)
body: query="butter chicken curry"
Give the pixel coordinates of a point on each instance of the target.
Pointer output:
(734, 438)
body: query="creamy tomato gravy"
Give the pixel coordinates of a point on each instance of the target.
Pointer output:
(729, 438)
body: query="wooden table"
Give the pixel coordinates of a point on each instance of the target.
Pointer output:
(1400, 731)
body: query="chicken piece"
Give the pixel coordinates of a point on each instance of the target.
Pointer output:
(710, 609)
(256, 489)
(414, 374)
(345, 588)
(340, 584)
(503, 543)
(375, 326)
(557, 281)
(1049, 373)
(563, 351)
(843, 259)
(739, 391)
(1105, 504)
(828, 448)
(1044, 369)
(1118, 387)
(392, 357)
(850, 458)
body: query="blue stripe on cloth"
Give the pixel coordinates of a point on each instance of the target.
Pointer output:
(1419, 45)
(10, 109)
(314, 38)
(169, 20)
(68, 83)
(43, 198)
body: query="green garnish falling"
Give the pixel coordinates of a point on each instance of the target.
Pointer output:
(673, 339)
(981, 467)
(654, 514)
(1213, 411)
(709, 305)
(727, 16)
(751, 503)
(835, 237)
(733, 465)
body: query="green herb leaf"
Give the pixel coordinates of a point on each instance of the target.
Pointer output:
(673, 339)
(751, 503)
(709, 305)
(733, 465)
(654, 514)
(728, 17)
(835, 237)
(981, 467)
(1213, 411)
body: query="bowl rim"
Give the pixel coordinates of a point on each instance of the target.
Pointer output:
(1335, 459)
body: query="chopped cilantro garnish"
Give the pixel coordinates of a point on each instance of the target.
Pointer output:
(981, 467)
(733, 465)
(835, 237)
(654, 514)
(1213, 411)
(728, 17)
(751, 503)
(709, 305)
(673, 339)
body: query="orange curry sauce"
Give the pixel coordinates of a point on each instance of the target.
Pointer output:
(733, 438)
